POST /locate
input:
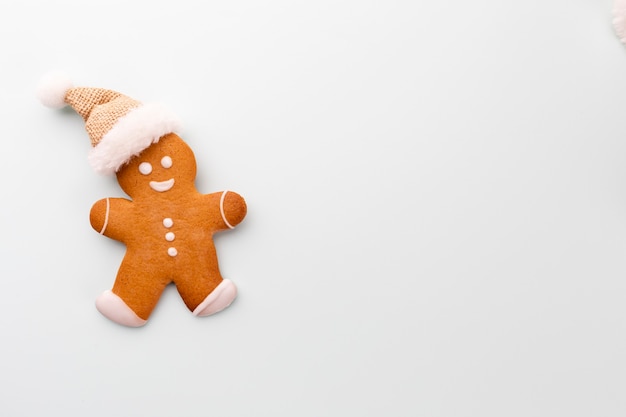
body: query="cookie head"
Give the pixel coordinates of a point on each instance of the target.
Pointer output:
(165, 168)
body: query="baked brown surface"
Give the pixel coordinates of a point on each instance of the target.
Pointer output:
(158, 253)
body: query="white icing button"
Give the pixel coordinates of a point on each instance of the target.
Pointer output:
(172, 252)
(169, 236)
(167, 222)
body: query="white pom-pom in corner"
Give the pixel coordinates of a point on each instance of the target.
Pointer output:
(52, 89)
(619, 19)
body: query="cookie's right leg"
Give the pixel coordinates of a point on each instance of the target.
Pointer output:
(114, 308)
(134, 295)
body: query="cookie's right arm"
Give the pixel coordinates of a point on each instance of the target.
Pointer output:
(110, 216)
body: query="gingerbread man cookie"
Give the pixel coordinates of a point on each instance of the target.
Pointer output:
(167, 225)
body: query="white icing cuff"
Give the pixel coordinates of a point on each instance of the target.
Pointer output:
(115, 309)
(230, 226)
(220, 298)
(106, 218)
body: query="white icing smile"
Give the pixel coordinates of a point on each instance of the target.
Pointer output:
(162, 186)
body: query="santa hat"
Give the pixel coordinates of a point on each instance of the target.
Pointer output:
(119, 126)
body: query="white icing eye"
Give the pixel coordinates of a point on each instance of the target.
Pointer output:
(166, 162)
(145, 168)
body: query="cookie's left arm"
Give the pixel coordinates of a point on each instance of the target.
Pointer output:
(231, 207)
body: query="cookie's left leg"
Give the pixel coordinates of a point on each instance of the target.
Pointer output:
(220, 298)
(204, 291)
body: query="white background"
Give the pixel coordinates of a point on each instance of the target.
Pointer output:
(437, 209)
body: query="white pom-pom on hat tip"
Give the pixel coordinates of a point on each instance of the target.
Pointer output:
(619, 19)
(52, 89)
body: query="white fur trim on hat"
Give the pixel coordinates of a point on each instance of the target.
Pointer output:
(132, 133)
(52, 89)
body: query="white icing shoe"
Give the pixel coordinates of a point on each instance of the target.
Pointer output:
(218, 300)
(114, 308)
